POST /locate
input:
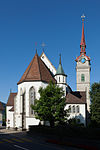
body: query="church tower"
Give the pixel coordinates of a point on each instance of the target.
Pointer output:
(61, 77)
(83, 69)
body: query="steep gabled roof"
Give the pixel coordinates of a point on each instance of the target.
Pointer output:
(76, 98)
(37, 71)
(11, 99)
(43, 55)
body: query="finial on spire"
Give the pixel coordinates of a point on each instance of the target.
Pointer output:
(83, 17)
(60, 59)
(43, 46)
(10, 90)
(35, 47)
(36, 50)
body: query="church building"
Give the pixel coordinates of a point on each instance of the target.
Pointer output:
(38, 74)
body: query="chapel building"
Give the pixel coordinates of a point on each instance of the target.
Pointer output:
(38, 74)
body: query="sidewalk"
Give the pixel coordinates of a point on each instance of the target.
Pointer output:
(9, 131)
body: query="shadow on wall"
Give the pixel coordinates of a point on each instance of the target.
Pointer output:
(78, 120)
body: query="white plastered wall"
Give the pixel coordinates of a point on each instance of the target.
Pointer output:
(82, 112)
(61, 82)
(9, 117)
(25, 87)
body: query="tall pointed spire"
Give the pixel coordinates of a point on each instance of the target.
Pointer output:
(60, 59)
(82, 44)
(60, 70)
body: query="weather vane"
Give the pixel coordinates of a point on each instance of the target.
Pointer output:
(43, 45)
(83, 17)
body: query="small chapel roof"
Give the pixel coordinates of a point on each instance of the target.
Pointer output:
(1, 106)
(11, 99)
(76, 97)
(37, 71)
(60, 70)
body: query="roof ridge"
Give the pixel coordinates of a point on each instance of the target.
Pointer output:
(29, 68)
(39, 67)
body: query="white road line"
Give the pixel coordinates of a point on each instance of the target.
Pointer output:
(21, 147)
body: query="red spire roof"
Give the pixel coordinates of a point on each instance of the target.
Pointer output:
(82, 44)
(83, 37)
(37, 71)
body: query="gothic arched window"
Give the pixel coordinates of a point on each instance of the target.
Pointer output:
(31, 100)
(77, 109)
(82, 77)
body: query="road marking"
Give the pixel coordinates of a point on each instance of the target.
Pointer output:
(21, 147)
(7, 140)
(17, 140)
(27, 140)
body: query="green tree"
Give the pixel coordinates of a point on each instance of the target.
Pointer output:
(51, 104)
(95, 103)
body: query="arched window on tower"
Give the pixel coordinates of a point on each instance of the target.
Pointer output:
(82, 77)
(31, 100)
(59, 79)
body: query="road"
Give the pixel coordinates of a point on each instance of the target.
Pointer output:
(23, 141)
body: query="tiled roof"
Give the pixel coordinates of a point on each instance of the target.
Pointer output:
(1, 106)
(76, 98)
(37, 71)
(11, 99)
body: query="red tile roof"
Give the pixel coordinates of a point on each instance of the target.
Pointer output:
(37, 71)
(1, 106)
(76, 98)
(11, 99)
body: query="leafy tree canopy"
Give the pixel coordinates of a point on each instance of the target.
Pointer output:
(95, 103)
(51, 104)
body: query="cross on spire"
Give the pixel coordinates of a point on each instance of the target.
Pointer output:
(43, 46)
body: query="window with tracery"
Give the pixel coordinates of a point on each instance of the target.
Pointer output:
(31, 99)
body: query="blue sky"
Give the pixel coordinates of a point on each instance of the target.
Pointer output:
(58, 24)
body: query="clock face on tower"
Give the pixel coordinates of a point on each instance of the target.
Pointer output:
(83, 60)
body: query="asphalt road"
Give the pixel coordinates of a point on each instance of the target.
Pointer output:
(22, 141)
